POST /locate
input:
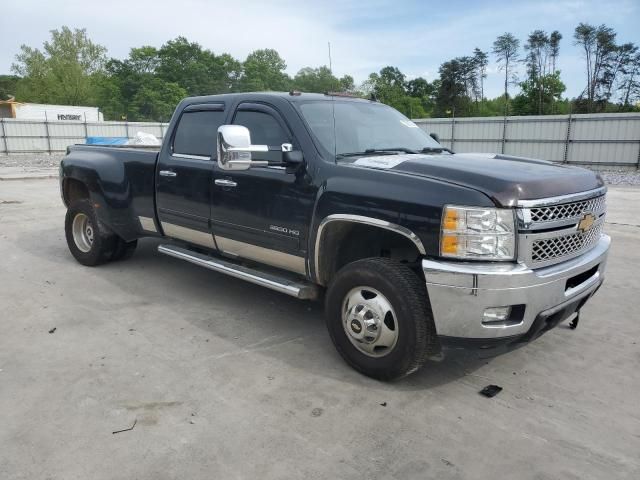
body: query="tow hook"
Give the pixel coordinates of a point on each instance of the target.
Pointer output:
(574, 323)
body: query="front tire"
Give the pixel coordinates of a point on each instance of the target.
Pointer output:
(89, 241)
(379, 318)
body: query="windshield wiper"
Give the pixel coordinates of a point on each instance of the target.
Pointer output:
(435, 150)
(391, 149)
(366, 153)
(378, 151)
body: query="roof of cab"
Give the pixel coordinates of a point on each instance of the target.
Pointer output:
(289, 96)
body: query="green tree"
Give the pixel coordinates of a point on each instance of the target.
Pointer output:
(539, 95)
(8, 86)
(318, 80)
(554, 48)
(122, 81)
(156, 100)
(425, 92)
(197, 70)
(109, 97)
(63, 72)
(480, 61)
(630, 81)
(389, 87)
(452, 96)
(599, 47)
(537, 48)
(618, 64)
(506, 49)
(264, 70)
(347, 84)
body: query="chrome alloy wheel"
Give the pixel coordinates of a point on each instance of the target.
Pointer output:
(369, 321)
(83, 232)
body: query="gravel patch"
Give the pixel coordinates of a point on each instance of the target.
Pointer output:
(31, 161)
(621, 177)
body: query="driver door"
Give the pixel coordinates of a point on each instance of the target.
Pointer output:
(263, 213)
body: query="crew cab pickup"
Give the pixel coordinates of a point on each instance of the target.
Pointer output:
(415, 249)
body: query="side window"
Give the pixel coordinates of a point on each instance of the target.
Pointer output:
(196, 133)
(265, 130)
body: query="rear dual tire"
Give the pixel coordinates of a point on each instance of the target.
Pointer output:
(90, 241)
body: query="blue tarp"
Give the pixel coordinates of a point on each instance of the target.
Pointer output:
(107, 140)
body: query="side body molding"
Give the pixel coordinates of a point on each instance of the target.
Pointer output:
(375, 222)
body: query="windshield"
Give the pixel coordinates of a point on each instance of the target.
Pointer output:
(362, 127)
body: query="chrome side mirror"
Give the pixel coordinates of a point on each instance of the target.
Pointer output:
(234, 148)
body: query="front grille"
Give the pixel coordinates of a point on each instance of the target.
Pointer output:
(549, 228)
(556, 248)
(567, 211)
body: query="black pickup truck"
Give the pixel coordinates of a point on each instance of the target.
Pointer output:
(415, 249)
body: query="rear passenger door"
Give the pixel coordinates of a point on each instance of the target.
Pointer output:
(184, 175)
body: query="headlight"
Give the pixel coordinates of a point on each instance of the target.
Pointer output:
(478, 233)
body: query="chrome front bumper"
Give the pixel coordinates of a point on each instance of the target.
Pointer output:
(460, 292)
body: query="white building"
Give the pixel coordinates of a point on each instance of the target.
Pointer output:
(52, 113)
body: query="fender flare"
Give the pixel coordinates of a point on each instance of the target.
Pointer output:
(374, 222)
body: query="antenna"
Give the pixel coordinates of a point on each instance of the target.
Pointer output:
(330, 69)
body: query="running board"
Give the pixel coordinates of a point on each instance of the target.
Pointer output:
(295, 288)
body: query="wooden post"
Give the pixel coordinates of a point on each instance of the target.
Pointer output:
(86, 131)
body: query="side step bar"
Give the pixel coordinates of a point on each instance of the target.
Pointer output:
(295, 288)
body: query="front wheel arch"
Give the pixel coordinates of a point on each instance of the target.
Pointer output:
(342, 239)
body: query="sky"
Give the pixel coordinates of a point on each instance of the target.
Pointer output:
(365, 35)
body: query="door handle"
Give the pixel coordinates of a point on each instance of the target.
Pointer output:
(225, 183)
(167, 173)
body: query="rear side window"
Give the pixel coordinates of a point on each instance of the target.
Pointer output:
(196, 133)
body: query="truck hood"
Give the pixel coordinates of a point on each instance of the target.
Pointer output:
(505, 179)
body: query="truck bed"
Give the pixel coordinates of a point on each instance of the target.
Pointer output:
(130, 172)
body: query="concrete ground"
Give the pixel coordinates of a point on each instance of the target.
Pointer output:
(224, 379)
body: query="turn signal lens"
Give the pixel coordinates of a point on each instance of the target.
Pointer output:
(450, 244)
(450, 219)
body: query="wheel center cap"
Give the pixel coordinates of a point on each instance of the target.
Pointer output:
(363, 324)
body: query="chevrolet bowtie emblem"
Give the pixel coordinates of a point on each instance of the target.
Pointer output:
(586, 222)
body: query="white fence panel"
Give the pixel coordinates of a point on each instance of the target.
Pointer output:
(34, 136)
(607, 140)
(27, 144)
(67, 129)
(107, 129)
(20, 128)
(595, 140)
